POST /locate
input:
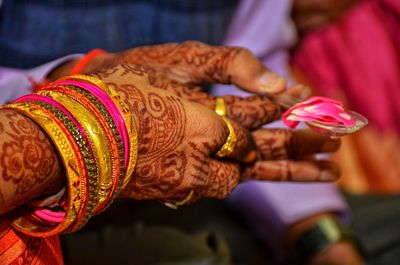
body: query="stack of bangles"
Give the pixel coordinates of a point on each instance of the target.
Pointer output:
(96, 138)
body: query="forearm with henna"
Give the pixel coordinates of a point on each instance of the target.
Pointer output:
(29, 166)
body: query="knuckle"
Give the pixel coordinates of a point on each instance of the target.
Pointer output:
(244, 52)
(244, 55)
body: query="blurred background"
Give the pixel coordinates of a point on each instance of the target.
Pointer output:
(344, 49)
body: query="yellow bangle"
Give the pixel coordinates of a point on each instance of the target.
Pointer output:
(76, 192)
(127, 116)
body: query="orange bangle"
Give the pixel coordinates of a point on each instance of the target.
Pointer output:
(78, 67)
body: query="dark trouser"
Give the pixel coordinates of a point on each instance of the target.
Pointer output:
(376, 221)
(206, 233)
(209, 233)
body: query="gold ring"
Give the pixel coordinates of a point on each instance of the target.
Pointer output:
(230, 143)
(220, 107)
(175, 205)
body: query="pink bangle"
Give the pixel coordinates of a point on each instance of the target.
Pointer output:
(49, 216)
(110, 106)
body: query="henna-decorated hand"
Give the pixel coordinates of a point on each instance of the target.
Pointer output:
(183, 68)
(168, 157)
(194, 63)
(178, 140)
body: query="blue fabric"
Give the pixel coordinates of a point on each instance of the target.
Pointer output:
(33, 32)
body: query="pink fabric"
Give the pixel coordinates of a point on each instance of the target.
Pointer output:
(264, 27)
(360, 57)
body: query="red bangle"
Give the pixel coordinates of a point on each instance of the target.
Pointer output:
(78, 67)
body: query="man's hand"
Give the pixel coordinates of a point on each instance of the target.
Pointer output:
(340, 253)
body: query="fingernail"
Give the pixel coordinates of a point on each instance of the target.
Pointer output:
(272, 83)
(328, 176)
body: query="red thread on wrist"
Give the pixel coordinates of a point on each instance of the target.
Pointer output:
(37, 85)
(78, 67)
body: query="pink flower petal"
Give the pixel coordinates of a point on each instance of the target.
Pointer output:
(318, 110)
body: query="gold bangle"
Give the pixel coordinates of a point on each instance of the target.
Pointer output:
(85, 99)
(127, 116)
(89, 180)
(220, 107)
(106, 165)
(72, 169)
(175, 205)
(99, 111)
